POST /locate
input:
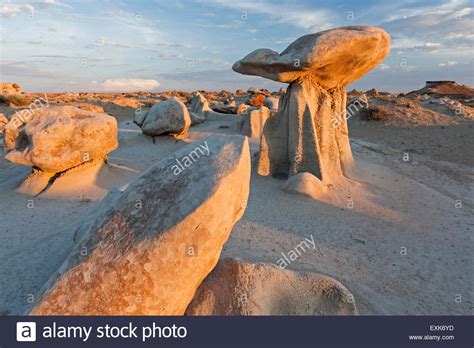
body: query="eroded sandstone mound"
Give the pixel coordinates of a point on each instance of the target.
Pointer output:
(235, 287)
(58, 138)
(147, 247)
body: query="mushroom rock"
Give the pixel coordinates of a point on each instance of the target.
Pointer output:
(236, 287)
(149, 245)
(309, 132)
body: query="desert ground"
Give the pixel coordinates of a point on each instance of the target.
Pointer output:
(400, 239)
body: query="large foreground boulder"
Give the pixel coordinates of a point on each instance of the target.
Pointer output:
(149, 246)
(58, 138)
(309, 133)
(167, 117)
(235, 287)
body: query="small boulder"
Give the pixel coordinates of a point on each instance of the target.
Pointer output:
(271, 103)
(150, 244)
(253, 90)
(235, 287)
(242, 108)
(196, 118)
(254, 121)
(257, 101)
(200, 106)
(166, 117)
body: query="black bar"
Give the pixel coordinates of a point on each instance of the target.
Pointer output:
(360, 331)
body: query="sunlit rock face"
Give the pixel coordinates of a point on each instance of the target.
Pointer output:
(239, 288)
(309, 132)
(167, 117)
(54, 139)
(254, 121)
(149, 245)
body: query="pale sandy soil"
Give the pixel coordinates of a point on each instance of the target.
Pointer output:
(397, 205)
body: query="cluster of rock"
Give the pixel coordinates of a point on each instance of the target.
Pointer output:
(410, 110)
(151, 247)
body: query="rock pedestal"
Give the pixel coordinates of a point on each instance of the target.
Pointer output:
(309, 133)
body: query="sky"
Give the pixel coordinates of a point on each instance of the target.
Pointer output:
(110, 46)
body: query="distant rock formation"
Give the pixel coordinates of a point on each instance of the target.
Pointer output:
(235, 287)
(9, 88)
(199, 108)
(452, 89)
(147, 248)
(309, 133)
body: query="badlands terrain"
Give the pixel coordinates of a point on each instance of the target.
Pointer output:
(399, 240)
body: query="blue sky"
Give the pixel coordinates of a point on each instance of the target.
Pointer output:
(61, 45)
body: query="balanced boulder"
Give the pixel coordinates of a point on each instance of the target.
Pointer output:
(309, 133)
(58, 138)
(147, 247)
(167, 117)
(235, 287)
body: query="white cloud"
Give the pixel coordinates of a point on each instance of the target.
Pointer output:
(55, 3)
(285, 13)
(10, 10)
(129, 85)
(102, 41)
(449, 63)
